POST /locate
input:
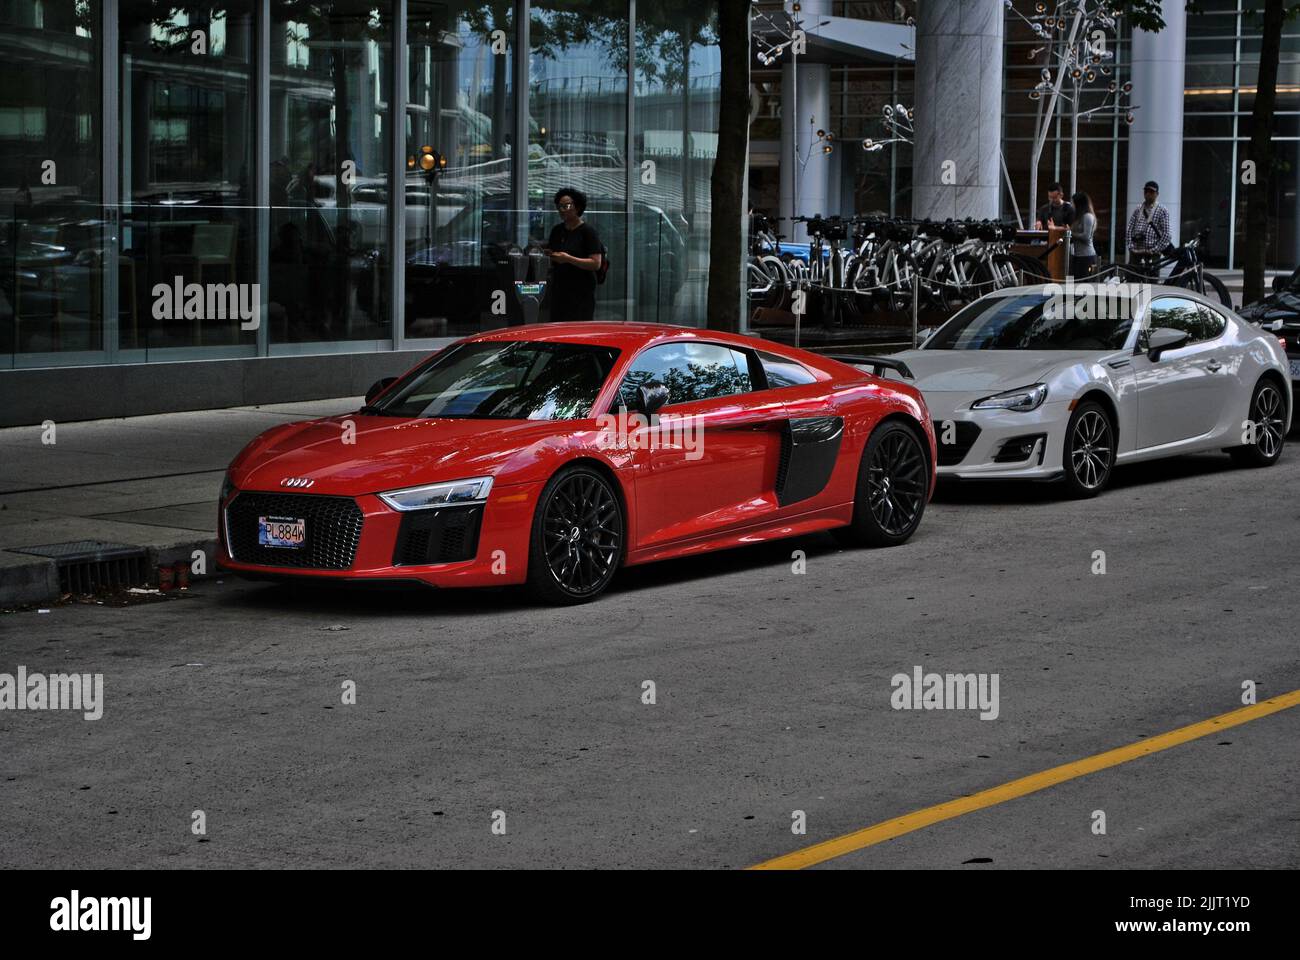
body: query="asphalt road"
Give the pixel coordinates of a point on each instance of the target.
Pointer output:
(773, 694)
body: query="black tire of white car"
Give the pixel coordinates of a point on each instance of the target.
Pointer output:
(1267, 421)
(1089, 451)
(892, 490)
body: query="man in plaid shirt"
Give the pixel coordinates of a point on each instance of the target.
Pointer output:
(1148, 228)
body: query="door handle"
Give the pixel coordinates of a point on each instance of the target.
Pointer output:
(1214, 366)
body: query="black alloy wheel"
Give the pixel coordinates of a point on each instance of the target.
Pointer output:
(577, 539)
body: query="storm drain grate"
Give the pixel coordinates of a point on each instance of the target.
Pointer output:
(86, 566)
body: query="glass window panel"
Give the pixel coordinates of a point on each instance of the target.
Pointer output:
(330, 168)
(577, 131)
(51, 225)
(188, 227)
(678, 80)
(459, 216)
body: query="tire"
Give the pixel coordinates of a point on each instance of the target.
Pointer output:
(1089, 451)
(1213, 283)
(887, 513)
(577, 537)
(1268, 406)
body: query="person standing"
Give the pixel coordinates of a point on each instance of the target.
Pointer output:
(576, 256)
(1055, 212)
(1148, 234)
(1083, 255)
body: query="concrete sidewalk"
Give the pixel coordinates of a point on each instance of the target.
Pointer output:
(148, 482)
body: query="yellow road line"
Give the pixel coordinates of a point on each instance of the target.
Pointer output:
(889, 829)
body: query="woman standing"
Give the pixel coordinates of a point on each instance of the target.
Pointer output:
(575, 257)
(1083, 256)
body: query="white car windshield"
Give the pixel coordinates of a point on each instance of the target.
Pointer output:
(1020, 322)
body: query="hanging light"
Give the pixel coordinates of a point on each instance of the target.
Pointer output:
(1129, 118)
(1045, 74)
(1076, 73)
(1090, 76)
(1035, 95)
(1128, 86)
(1112, 87)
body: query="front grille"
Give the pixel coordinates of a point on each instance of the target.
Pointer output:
(963, 434)
(333, 529)
(444, 535)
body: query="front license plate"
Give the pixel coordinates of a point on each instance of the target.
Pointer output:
(1295, 369)
(287, 532)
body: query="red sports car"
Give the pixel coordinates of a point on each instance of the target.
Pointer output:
(551, 455)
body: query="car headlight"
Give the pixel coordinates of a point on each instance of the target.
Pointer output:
(227, 488)
(453, 493)
(1021, 399)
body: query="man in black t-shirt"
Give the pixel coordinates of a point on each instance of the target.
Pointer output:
(1057, 211)
(575, 258)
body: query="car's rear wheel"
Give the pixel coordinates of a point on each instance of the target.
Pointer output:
(1268, 421)
(1089, 450)
(577, 537)
(893, 487)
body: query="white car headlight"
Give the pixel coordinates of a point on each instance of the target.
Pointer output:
(452, 493)
(1022, 399)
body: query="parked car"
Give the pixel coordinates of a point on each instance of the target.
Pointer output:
(457, 276)
(1020, 388)
(553, 454)
(1279, 313)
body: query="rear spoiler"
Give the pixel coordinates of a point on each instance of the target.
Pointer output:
(878, 365)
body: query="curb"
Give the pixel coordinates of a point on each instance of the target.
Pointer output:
(37, 581)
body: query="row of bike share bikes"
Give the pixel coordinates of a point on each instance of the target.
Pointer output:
(855, 271)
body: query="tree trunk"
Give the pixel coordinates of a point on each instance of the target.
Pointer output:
(727, 185)
(1261, 151)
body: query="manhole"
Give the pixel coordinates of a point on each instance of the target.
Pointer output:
(86, 566)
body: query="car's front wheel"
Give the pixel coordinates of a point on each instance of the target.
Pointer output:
(893, 487)
(1267, 424)
(1089, 450)
(577, 537)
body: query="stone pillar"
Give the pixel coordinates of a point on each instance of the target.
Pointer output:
(1155, 141)
(958, 109)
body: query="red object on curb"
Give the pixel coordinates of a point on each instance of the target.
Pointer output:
(165, 579)
(183, 575)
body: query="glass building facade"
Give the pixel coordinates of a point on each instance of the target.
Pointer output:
(253, 148)
(1220, 67)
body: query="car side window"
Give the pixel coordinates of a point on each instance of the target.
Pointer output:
(691, 371)
(1176, 314)
(1213, 323)
(784, 373)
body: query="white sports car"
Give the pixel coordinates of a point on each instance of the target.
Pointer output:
(1025, 383)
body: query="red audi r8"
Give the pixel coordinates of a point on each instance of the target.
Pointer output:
(551, 455)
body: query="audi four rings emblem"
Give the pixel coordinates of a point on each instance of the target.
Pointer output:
(298, 482)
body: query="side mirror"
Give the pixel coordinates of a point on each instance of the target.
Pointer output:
(650, 397)
(1280, 282)
(1164, 338)
(378, 387)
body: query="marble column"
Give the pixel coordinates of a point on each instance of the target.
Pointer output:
(1155, 140)
(811, 113)
(956, 170)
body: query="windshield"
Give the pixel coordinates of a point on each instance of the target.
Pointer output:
(513, 380)
(1018, 322)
